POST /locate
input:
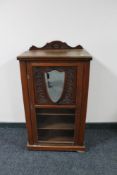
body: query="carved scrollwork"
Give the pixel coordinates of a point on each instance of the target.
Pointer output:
(41, 96)
(55, 45)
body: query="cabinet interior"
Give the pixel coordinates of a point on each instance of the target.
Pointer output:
(55, 125)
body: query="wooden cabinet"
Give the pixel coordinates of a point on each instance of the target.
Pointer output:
(55, 89)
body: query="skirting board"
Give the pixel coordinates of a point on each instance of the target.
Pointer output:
(88, 125)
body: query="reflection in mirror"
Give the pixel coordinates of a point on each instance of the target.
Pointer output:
(55, 84)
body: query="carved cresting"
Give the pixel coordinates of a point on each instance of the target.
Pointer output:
(56, 45)
(41, 95)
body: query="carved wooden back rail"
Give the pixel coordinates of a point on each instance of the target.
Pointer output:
(55, 45)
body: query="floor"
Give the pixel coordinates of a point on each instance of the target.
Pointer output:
(100, 158)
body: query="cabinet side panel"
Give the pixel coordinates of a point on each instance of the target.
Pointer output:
(85, 84)
(23, 71)
(31, 98)
(78, 101)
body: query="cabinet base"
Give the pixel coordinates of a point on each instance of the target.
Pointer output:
(56, 148)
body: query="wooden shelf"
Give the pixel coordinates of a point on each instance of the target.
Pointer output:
(56, 139)
(55, 122)
(57, 126)
(56, 136)
(55, 114)
(56, 106)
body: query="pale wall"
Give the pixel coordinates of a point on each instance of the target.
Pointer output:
(91, 23)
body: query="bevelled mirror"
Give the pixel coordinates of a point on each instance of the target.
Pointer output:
(55, 81)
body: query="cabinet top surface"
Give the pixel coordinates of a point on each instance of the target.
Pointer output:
(54, 51)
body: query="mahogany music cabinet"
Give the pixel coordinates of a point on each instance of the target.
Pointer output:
(55, 81)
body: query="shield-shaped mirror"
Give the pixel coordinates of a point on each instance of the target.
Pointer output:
(54, 81)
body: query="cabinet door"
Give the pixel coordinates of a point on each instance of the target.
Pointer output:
(55, 95)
